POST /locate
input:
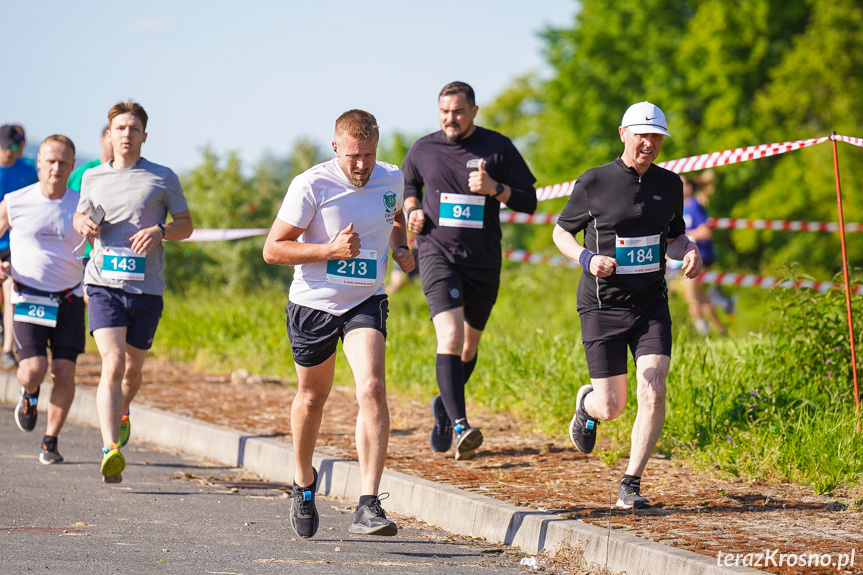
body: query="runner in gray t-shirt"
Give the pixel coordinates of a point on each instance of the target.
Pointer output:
(123, 212)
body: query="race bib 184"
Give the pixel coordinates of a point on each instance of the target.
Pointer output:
(359, 271)
(637, 255)
(123, 264)
(461, 211)
(40, 310)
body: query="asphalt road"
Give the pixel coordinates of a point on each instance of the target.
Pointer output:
(175, 514)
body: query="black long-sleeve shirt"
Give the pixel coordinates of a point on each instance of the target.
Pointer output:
(442, 166)
(613, 205)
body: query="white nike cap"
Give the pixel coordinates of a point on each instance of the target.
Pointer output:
(645, 118)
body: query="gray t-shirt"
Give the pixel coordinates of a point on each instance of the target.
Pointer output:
(133, 199)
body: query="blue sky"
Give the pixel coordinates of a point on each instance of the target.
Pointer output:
(255, 76)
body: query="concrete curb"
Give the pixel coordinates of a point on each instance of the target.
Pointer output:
(476, 516)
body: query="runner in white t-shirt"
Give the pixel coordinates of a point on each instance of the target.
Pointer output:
(46, 291)
(337, 224)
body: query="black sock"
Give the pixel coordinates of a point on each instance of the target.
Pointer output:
(450, 382)
(49, 439)
(467, 367)
(631, 480)
(367, 499)
(36, 395)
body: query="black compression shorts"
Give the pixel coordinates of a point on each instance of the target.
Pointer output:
(606, 334)
(449, 286)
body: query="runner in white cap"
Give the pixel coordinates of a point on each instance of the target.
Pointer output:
(631, 213)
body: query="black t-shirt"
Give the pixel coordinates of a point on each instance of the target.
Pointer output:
(630, 218)
(442, 167)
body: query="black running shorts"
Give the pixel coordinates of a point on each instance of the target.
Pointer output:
(67, 338)
(315, 334)
(449, 286)
(606, 333)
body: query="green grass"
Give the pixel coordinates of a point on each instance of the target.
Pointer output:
(772, 402)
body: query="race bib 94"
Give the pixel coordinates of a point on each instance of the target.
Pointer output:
(461, 211)
(637, 255)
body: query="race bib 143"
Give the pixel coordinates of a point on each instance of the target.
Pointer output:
(123, 264)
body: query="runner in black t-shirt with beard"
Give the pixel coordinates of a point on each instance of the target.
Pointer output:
(631, 212)
(467, 171)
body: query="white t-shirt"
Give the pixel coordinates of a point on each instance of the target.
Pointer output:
(42, 239)
(322, 202)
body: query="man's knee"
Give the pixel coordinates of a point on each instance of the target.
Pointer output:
(372, 390)
(607, 407)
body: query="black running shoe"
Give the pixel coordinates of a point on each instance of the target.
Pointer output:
(371, 520)
(304, 514)
(629, 497)
(467, 439)
(440, 437)
(582, 428)
(25, 411)
(49, 454)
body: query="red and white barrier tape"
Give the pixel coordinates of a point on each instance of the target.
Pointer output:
(726, 279)
(215, 235)
(508, 217)
(713, 159)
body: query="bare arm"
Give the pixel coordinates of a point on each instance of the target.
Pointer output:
(4, 217)
(682, 248)
(179, 228)
(282, 247)
(398, 244)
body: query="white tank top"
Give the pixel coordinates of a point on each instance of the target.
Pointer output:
(42, 239)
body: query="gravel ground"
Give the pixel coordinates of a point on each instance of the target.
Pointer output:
(693, 509)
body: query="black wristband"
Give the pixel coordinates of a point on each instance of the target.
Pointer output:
(408, 213)
(161, 229)
(402, 248)
(584, 259)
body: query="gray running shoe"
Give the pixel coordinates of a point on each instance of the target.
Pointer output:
(25, 411)
(629, 497)
(467, 439)
(304, 513)
(49, 454)
(582, 428)
(372, 520)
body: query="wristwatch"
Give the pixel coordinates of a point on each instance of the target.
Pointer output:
(499, 189)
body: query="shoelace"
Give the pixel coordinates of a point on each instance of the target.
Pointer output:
(304, 504)
(375, 506)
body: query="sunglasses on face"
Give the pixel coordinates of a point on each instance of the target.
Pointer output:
(13, 147)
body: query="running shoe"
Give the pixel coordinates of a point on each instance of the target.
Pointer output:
(49, 454)
(372, 520)
(304, 513)
(25, 411)
(113, 464)
(467, 439)
(440, 437)
(582, 428)
(9, 360)
(125, 430)
(629, 497)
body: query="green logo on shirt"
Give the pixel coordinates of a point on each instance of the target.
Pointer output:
(390, 202)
